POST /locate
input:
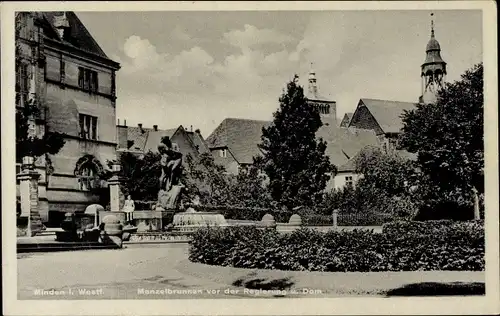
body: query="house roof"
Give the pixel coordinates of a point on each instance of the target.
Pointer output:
(138, 136)
(198, 141)
(154, 138)
(387, 113)
(350, 165)
(77, 36)
(240, 136)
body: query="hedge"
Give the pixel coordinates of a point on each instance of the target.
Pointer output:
(402, 246)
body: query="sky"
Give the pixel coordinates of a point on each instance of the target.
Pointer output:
(197, 68)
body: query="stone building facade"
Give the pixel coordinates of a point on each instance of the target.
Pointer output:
(73, 82)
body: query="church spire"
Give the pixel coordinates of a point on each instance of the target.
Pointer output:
(433, 69)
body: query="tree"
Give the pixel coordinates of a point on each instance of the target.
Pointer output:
(293, 159)
(140, 176)
(249, 189)
(203, 177)
(448, 137)
(29, 144)
(385, 185)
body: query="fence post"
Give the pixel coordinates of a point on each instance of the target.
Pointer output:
(335, 214)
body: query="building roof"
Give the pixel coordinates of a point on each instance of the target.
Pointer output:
(388, 113)
(350, 165)
(77, 34)
(154, 138)
(197, 139)
(138, 137)
(346, 119)
(345, 143)
(240, 136)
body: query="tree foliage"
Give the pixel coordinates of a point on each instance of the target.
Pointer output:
(29, 144)
(293, 159)
(448, 137)
(140, 175)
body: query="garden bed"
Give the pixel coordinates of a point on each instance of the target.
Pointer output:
(401, 246)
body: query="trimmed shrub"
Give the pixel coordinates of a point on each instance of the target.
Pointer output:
(402, 246)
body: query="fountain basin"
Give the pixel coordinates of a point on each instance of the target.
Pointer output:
(191, 221)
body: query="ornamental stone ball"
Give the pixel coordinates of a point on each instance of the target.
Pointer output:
(268, 221)
(295, 220)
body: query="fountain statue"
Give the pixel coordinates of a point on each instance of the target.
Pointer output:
(167, 214)
(169, 195)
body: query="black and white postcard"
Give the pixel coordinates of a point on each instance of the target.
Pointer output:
(267, 158)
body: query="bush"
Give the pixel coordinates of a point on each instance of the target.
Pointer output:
(402, 246)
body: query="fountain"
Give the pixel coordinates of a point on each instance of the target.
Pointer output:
(191, 220)
(165, 214)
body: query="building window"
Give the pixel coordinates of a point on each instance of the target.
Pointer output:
(223, 153)
(22, 84)
(349, 181)
(88, 178)
(88, 127)
(88, 170)
(87, 79)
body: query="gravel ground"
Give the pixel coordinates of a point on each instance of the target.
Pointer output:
(163, 272)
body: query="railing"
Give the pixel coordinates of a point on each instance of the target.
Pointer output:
(364, 219)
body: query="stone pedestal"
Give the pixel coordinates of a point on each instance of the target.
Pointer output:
(335, 214)
(114, 192)
(29, 220)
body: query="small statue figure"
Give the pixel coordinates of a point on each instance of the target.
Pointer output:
(129, 208)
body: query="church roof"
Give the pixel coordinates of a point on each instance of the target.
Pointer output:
(433, 44)
(242, 136)
(76, 36)
(388, 113)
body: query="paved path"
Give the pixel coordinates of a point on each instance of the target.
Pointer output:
(163, 271)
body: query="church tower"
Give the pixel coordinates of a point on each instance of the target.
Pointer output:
(327, 108)
(433, 69)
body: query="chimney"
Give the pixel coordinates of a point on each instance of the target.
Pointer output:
(140, 127)
(122, 136)
(191, 129)
(155, 127)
